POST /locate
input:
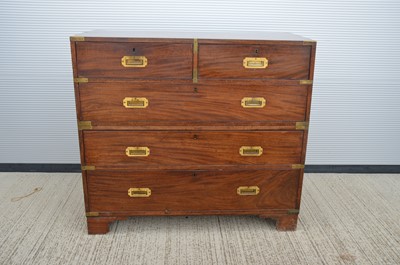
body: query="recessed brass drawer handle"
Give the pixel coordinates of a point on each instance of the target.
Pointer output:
(253, 102)
(251, 151)
(248, 190)
(135, 103)
(255, 62)
(139, 192)
(134, 61)
(137, 151)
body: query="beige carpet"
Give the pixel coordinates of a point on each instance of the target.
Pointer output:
(344, 219)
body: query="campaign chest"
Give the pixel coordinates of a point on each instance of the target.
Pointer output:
(192, 124)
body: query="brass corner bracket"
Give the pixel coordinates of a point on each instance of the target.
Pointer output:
(306, 82)
(195, 54)
(77, 38)
(309, 42)
(81, 80)
(84, 125)
(301, 125)
(297, 166)
(195, 46)
(293, 211)
(88, 167)
(92, 214)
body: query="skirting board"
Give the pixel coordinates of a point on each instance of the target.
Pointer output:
(9, 167)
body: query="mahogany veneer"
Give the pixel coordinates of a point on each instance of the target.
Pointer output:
(178, 124)
(203, 103)
(192, 191)
(284, 61)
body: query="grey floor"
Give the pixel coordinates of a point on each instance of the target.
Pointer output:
(345, 219)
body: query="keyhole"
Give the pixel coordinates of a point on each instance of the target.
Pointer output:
(194, 174)
(195, 90)
(134, 50)
(195, 137)
(256, 51)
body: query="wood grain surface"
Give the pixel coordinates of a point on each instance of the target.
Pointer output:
(101, 103)
(308, 112)
(174, 148)
(186, 191)
(226, 61)
(165, 60)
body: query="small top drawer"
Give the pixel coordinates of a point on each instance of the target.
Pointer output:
(134, 60)
(254, 61)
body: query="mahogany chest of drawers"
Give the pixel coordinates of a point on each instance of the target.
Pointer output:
(192, 124)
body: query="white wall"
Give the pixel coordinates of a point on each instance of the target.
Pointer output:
(356, 104)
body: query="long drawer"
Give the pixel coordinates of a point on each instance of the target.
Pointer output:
(170, 191)
(152, 102)
(163, 149)
(134, 60)
(254, 61)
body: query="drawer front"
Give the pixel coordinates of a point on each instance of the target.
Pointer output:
(163, 149)
(254, 61)
(170, 191)
(134, 60)
(154, 102)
